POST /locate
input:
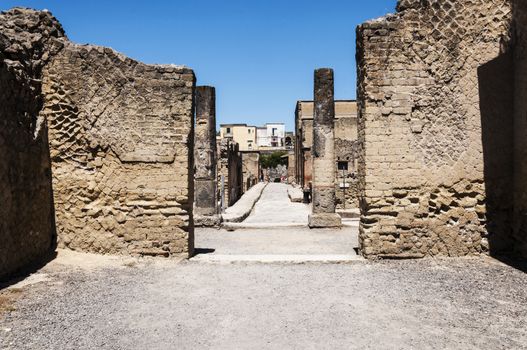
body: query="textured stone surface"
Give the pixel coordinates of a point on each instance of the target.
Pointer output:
(323, 220)
(251, 169)
(346, 149)
(26, 211)
(120, 137)
(230, 168)
(323, 150)
(520, 127)
(421, 166)
(346, 152)
(205, 161)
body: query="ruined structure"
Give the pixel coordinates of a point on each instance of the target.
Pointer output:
(120, 143)
(323, 212)
(250, 169)
(435, 104)
(27, 231)
(291, 167)
(346, 150)
(205, 159)
(120, 137)
(519, 54)
(230, 172)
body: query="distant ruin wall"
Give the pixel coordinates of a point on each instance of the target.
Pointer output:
(26, 210)
(421, 166)
(230, 168)
(251, 169)
(121, 145)
(346, 153)
(520, 127)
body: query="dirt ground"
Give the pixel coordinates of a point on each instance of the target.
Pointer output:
(82, 301)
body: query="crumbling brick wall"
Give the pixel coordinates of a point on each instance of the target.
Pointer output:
(421, 161)
(26, 210)
(121, 147)
(519, 51)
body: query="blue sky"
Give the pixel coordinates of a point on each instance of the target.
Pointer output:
(259, 54)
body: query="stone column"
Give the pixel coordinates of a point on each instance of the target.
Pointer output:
(205, 177)
(323, 153)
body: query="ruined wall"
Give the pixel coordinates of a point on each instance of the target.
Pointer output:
(120, 136)
(520, 127)
(230, 168)
(346, 151)
(27, 232)
(421, 167)
(250, 169)
(291, 167)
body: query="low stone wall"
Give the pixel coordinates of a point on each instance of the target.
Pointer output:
(27, 232)
(421, 166)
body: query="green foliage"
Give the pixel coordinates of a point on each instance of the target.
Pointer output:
(272, 160)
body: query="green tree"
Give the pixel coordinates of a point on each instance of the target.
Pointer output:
(272, 160)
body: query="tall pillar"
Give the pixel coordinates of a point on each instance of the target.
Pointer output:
(205, 176)
(323, 153)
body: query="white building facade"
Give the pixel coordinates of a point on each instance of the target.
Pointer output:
(271, 136)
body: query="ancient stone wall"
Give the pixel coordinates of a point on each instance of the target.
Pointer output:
(27, 232)
(250, 169)
(205, 159)
(121, 145)
(291, 167)
(421, 167)
(346, 154)
(230, 172)
(520, 127)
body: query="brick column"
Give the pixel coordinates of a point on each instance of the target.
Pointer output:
(205, 181)
(323, 152)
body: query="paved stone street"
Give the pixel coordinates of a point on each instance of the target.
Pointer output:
(277, 230)
(275, 208)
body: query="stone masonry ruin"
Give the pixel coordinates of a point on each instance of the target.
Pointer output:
(205, 159)
(436, 104)
(27, 232)
(97, 149)
(324, 201)
(120, 136)
(120, 143)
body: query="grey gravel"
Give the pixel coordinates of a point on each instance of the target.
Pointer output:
(427, 304)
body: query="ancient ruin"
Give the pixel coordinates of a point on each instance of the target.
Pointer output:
(230, 172)
(435, 98)
(27, 230)
(205, 159)
(323, 211)
(118, 134)
(103, 154)
(250, 169)
(518, 50)
(346, 150)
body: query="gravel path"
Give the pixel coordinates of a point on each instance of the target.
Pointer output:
(425, 304)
